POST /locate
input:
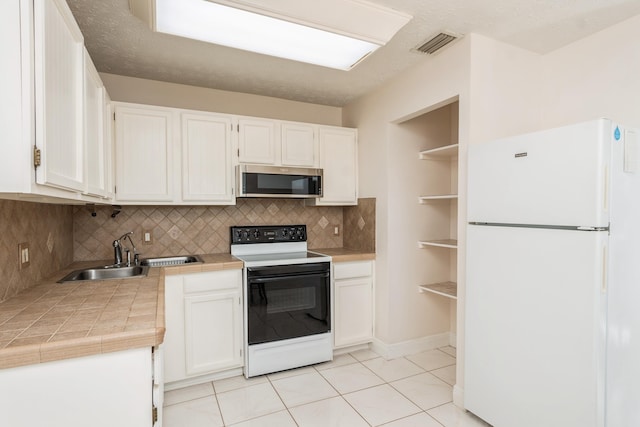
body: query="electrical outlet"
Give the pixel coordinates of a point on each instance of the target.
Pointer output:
(147, 237)
(336, 230)
(24, 259)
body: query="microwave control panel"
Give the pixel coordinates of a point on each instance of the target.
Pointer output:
(268, 234)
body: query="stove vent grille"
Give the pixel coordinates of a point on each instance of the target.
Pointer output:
(437, 42)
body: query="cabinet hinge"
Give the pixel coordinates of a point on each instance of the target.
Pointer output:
(37, 156)
(238, 152)
(114, 117)
(238, 127)
(154, 415)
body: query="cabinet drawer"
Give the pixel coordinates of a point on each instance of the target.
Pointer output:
(347, 270)
(211, 281)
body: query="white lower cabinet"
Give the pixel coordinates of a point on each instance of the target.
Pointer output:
(353, 303)
(102, 390)
(203, 317)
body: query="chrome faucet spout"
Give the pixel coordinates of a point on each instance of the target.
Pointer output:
(117, 249)
(117, 252)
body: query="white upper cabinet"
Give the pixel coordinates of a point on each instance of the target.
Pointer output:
(96, 164)
(299, 145)
(15, 155)
(279, 143)
(257, 141)
(53, 115)
(207, 161)
(144, 144)
(59, 65)
(339, 162)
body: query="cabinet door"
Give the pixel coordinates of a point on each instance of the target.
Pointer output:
(207, 167)
(174, 335)
(353, 304)
(339, 161)
(59, 81)
(212, 331)
(144, 154)
(96, 151)
(257, 141)
(299, 145)
(14, 161)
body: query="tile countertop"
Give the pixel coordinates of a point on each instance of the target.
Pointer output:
(345, 255)
(53, 321)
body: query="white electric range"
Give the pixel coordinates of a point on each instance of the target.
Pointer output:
(287, 301)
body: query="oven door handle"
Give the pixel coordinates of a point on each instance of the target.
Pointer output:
(279, 278)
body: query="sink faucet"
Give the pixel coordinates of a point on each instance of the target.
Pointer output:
(117, 250)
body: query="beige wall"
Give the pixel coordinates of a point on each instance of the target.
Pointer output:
(387, 153)
(130, 89)
(503, 90)
(594, 77)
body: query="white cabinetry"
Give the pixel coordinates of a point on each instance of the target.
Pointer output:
(273, 142)
(299, 145)
(59, 65)
(207, 161)
(257, 141)
(103, 390)
(144, 144)
(203, 325)
(50, 117)
(353, 303)
(339, 161)
(95, 165)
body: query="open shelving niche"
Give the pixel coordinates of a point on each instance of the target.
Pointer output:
(448, 289)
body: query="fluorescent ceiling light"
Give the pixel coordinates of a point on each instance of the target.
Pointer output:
(241, 29)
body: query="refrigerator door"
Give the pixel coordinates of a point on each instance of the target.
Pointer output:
(623, 351)
(554, 177)
(535, 319)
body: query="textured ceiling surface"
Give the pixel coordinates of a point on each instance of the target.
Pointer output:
(119, 43)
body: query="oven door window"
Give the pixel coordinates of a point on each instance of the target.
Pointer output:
(287, 306)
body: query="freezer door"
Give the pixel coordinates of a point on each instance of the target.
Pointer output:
(553, 177)
(535, 319)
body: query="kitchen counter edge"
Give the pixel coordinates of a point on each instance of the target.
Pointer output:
(32, 352)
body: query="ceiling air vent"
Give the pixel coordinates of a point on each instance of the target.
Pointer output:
(437, 42)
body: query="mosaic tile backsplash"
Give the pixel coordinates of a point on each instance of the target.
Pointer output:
(48, 229)
(180, 230)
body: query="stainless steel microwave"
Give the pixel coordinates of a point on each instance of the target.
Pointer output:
(278, 181)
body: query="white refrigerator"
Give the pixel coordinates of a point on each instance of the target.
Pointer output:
(552, 302)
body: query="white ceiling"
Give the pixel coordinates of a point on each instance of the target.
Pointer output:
(119, 43)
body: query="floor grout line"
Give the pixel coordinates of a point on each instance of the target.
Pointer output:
(316, 370)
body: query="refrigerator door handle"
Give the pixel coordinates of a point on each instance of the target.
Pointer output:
(605, 192)
(605, 256)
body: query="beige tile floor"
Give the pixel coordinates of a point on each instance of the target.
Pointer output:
(355, 389)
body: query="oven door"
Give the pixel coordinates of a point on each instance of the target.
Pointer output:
(287, 301)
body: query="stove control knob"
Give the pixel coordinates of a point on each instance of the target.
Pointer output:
(256, 234)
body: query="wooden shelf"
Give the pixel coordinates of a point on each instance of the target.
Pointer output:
(431, 199)
(448, 151)
(445, 243)
(446, 289)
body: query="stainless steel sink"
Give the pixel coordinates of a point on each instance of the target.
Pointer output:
(171, 260)
(104, 273)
